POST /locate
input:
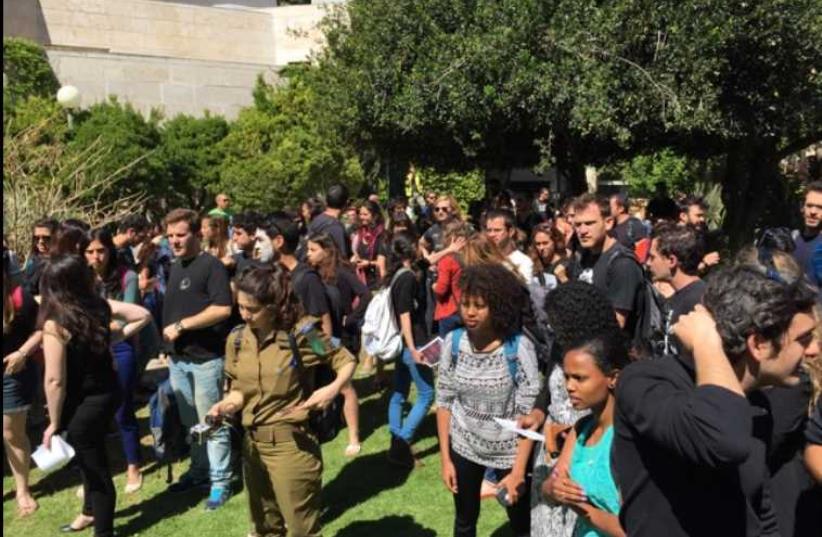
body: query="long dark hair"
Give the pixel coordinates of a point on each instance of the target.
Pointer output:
(271, 287)
(334, 260)
(376, 212)
(70, 300)
(112, 276)
(72, 238)
(403, 247)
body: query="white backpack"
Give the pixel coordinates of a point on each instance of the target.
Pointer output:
(380, 335)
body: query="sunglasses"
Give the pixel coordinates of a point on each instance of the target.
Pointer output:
(442, 209)
(42, 237)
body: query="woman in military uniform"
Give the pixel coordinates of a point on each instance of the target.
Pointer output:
(268, 368)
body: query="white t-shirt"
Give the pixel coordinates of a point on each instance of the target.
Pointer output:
(523, 263)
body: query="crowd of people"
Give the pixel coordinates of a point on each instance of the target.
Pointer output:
(677, 391)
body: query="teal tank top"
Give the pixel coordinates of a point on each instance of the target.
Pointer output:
(591, 470)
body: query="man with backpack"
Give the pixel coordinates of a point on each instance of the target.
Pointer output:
(605, 263)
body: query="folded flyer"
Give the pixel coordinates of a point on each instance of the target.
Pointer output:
(511, 425)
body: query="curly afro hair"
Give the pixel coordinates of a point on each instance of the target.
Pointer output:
(578, 312)
(501, 290)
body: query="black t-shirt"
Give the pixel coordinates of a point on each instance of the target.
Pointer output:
(686, 299)
(194, 285)
(323, 223)
(242, 262)
(23, 324)
(434, 237)
(309, 288)
(629, 232)
(370, 253)
(619, 275)
(350, 287)
(406, 297)
(662, 208)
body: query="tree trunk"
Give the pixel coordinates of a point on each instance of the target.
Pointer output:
(753, 192)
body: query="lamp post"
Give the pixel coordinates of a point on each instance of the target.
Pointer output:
(69, 98)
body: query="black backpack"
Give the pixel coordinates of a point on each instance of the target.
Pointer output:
(167, 431)
(652, 315)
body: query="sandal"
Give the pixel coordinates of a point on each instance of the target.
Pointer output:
(131, 488)
(352, 450)
(69, 528)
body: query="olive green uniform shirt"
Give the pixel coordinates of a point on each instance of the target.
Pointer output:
(266, 374)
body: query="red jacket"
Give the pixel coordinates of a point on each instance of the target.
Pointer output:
(446, 288)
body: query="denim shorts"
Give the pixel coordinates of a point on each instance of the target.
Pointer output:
(18, 389)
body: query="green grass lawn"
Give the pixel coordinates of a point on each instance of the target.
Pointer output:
(362, 497)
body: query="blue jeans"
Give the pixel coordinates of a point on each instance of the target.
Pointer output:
(197, 387)
(406, 371)
(126, 361)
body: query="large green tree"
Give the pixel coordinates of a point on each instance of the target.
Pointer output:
(281, 150)
(459, 83)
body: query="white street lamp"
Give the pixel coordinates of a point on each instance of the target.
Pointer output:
(69, 98)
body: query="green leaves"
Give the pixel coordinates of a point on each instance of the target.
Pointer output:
(283, 150)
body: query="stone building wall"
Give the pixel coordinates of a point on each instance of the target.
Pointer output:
(179, 57)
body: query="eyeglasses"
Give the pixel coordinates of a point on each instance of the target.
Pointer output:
(42, 238)
(442, 209)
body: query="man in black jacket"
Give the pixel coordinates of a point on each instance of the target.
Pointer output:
(684, 456)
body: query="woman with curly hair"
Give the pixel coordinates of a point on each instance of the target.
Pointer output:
(269, 366)
(486, 371)
(576, 312)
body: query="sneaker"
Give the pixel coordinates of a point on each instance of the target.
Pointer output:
(187, 483)
(218, 496)
(400, 454)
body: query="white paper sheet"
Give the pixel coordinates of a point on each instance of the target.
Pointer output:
(511, 425)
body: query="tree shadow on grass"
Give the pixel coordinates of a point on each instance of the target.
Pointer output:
(395, 526)
(156, 509)
(503, 531)
(351, 487)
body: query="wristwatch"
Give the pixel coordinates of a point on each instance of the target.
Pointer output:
(178, 326)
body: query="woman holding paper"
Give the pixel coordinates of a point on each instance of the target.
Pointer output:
(80, 382)
(486, 371)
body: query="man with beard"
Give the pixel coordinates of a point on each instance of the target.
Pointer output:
(501, 229)
(690, 441)
(693, 210)
(808, 252)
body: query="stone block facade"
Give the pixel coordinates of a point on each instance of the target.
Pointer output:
(182, 57)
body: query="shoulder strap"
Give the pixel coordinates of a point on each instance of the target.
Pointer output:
(511, 350)
(456, 336)
(296, 359)
(397, 275)
(17, 298)
(238, 339)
